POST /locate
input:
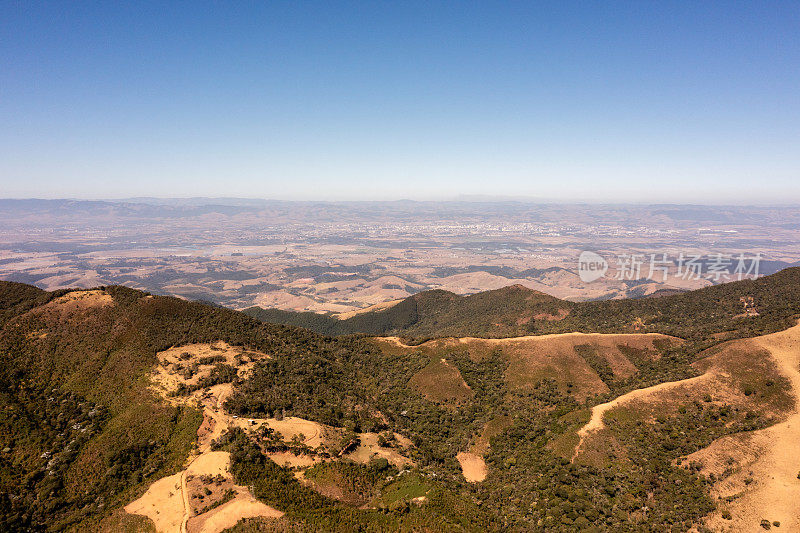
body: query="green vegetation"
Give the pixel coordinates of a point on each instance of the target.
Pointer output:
(517, 311)
(87, 368)
(537, 490)
(350, 482)
(405, 487)
(437, 313)
(81, 434)
(310, 511)
(368, 390)
(598, 363)
(441, 382)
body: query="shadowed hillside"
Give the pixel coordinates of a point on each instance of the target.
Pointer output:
(710, 313)
(499, 313)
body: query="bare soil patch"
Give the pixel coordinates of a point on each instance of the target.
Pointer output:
(227, 515)
(191, 363)
(162, 503)
(472, 466)
(309, 433)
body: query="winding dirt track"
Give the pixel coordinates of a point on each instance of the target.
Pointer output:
(596, 423)
(764, 484)
(769, 458)
(511, 340)
(186, 506)
(217, 413)
(168, 501)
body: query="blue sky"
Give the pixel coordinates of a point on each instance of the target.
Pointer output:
(629, 101)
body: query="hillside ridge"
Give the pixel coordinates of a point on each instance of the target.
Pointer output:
(516, 311)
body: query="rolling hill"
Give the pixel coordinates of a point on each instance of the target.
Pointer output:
(124, 411)
(707, 313)
(501, 312)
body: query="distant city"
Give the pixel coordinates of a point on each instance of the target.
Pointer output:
(339, 257)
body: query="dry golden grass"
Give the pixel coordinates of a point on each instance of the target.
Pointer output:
(81, 300)
(227, 515)
(369, 449)
(492, 428)
(167, 376)
(759, 470)
(376, 307)
(75, 303)
(663, 393)
(163, 503)
(756, 472)
(534, 358)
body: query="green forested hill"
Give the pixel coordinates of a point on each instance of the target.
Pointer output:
(64, 367)
(502, 312)
(81, 434)
(517, 311)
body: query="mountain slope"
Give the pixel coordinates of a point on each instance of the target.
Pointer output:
(105, 393)
(81, 428)
(502, 312)
(707, 313)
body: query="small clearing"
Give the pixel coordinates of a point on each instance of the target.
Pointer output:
(369, 449)
(472, 466)
(441, 382)
(79, 301)
(163, 503)
(229, 514)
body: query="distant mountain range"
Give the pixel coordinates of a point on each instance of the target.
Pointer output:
(528, 210)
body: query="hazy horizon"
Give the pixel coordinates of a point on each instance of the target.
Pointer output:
(613, 102)
(237, 200)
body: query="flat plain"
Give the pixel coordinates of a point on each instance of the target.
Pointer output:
(343, 257)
